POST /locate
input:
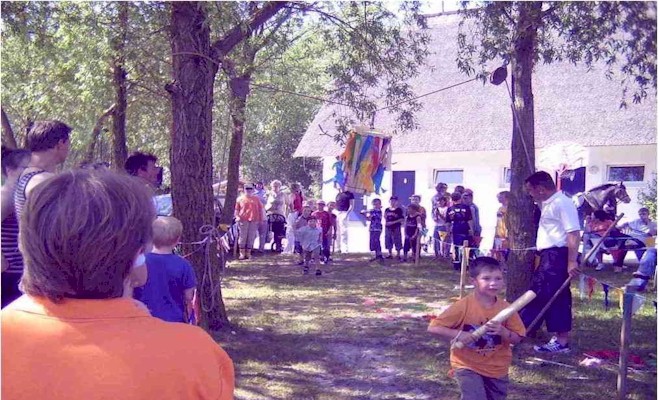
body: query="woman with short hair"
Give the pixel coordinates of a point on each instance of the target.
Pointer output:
(77, 333)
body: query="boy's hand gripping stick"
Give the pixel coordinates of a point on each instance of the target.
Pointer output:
(501, 316)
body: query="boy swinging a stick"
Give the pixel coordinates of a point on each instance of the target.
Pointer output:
(481, 328)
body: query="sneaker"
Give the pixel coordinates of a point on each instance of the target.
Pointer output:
(600, 267)
(306, 270)
(301, 263)
(318, 272)
(373, 259)
(389, 257)
(553, 347)
(639, 275)
(425, 248)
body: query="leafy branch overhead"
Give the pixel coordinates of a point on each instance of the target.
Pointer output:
(374, 54)
(619, 37)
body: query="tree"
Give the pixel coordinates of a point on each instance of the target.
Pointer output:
(195, 62)
(649, 196)
(522, 34)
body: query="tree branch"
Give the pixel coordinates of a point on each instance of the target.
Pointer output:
(220, 48)
(96, 132)
(8, 137)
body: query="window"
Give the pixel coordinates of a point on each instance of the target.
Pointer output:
(634, 173)
(449, 176)
(506, 176)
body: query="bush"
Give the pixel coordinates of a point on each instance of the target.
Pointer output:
(649, 196)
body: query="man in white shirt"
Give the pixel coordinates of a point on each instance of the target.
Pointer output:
(557, 243)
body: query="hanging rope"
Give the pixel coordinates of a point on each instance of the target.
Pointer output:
(520, 132)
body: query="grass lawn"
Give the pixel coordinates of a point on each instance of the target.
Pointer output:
(308, 337)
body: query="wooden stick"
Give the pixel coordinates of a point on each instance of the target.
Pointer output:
(418, 246)
(568, 280)
(621, 383)
(464, 264)
(501, 316)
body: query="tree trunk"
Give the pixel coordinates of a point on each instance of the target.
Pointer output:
(8, 137)
(191, 89)
(119, 82)
(239, 89)
(96, 132)
(520, 215)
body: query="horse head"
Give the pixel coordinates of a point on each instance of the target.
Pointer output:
(620, 193)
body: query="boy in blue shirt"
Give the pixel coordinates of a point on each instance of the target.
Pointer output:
(171, 280)
(375, 217)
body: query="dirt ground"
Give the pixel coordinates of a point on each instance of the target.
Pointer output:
(359, 332)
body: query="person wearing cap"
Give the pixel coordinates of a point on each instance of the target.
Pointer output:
(325, 220)
(249, 213)
(394, 218)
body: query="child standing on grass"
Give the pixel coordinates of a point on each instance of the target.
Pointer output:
(310, 243)
(332, 235)
(393, 220)
(481, 367)
(412, 230)
(301, 222)
(375, 216)
(171, 280)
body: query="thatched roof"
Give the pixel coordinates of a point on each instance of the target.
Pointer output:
(571, 104)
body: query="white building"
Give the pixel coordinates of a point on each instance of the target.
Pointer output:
(464, 134)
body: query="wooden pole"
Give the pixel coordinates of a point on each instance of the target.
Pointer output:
(464, 264)
(621, 383)
(418, 246)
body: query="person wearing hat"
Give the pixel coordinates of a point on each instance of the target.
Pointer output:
(325, 220)
(249, 213)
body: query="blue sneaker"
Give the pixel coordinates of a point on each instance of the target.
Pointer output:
(553, 347)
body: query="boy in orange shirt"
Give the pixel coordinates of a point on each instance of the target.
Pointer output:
(481, 367)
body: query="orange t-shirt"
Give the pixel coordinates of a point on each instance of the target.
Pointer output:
(107, 349)
(489, 356)
(249, 208)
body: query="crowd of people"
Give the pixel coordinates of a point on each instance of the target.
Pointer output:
(91, 246)
(96, 275)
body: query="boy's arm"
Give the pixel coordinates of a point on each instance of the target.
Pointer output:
(450, 334)
(188, 295)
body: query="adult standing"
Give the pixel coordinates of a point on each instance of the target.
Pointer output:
(14, 161)
(48, 141)
(260, 192)
(143, 165)
(94, 340)
(440, 192)
(557, 242)
(345, 202)
(249, 213)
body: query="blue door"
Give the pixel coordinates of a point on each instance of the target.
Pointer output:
(403, 186)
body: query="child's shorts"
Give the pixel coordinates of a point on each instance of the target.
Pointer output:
(477, 387)
(297, 247)
(374, 240)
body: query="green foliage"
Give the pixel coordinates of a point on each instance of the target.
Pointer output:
(374, 53)
(597, 34)
(56, 64)
(649, 197)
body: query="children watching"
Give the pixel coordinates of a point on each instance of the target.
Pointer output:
(460, 218)
(375, 216)
(481, 367)
(171, 280)
(301, 222)
(439, 214)
(325, 220)
(393, 219)
(412, 230)
(333, 227)
(309, 237)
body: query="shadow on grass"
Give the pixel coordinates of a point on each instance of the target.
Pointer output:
(307, 337)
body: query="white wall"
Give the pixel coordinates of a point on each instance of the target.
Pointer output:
(483, 173)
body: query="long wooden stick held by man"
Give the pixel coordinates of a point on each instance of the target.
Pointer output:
(501, 316)
(568, 280)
